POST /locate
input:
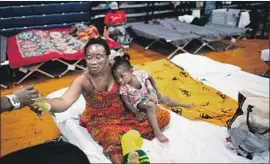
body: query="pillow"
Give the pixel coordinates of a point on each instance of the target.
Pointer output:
(73, 112)
(265, 55)
(202, 67)
(218, 17)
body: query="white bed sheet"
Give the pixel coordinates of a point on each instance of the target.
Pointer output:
(226, 78)
(201, 67)
(190, 141)
(230, 85)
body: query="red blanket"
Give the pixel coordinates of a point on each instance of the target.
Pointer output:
(36, 46)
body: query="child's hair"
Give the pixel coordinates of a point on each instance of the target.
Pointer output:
(122, 61)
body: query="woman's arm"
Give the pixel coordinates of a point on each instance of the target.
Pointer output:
(127, 105)
(68, 98)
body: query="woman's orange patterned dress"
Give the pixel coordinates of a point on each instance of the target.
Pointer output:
(107, 120)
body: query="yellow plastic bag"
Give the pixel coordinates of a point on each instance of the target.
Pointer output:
(131, 141)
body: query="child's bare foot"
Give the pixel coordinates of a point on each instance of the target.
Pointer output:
(161, 137)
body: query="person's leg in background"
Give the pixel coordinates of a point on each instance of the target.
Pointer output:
(124, 38)
(113, 32)
(254, 23)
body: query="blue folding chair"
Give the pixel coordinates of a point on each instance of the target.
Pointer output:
(82, 16)
(82, 6)
(6, 11)
(43, 9)
(61, 18)
(7, 32)
(22, 10)
(62, 7)
(44, 19)
(6, 22)
(23, 21)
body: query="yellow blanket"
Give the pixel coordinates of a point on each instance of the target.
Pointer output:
(211, 105)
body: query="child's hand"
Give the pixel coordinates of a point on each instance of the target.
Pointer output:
(159, 95)
(141, 116)
(153, 97)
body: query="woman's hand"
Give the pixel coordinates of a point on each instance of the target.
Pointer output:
(140, 116)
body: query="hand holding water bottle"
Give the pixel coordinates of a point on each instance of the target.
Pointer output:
(40, 106)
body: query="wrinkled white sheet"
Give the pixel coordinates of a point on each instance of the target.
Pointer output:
(201, 67)
(190, 141)
(230, 85)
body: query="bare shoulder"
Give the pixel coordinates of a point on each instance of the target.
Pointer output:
(84, 82)
(80, 79)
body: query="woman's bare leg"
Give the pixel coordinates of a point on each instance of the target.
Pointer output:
(150, 109)
(117, 159)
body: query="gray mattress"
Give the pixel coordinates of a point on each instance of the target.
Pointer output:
(155, 31)
(204, 33)
(226, 30)
(209, 32)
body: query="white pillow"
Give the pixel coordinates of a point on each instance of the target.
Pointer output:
(201, 67)
(73, 112)
(265, 55)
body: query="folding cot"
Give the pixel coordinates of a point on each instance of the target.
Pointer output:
(205, 35)
(208, 33)
(222, 24)
(229, 31)
(23, 19)
(31, 49)
(228, 22)
(161, 33)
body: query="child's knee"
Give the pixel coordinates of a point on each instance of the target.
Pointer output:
(164, 99)
(146, 105)
(150, 105)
